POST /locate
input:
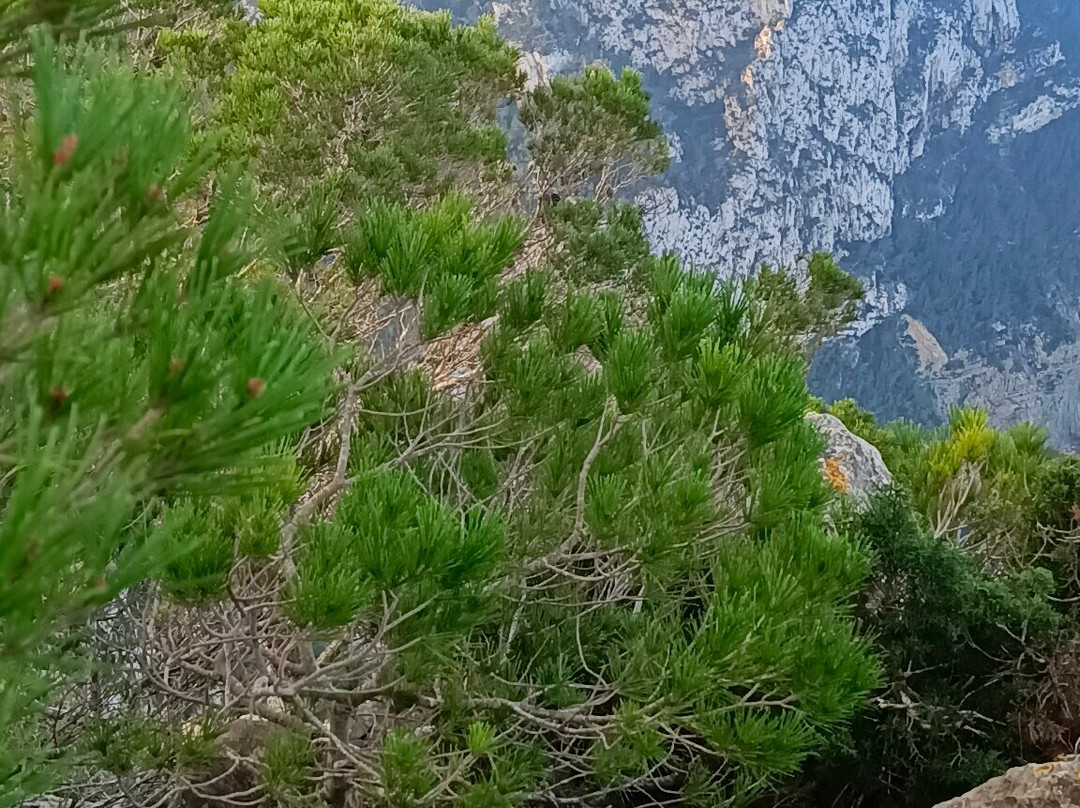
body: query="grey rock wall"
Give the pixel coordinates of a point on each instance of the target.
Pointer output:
(806, 110)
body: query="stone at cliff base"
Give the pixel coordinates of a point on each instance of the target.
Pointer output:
(1037, 785)
(850, 464)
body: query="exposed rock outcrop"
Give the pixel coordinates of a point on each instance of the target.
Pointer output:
(931, 354)
(1037, 785)
(850, 464)
(1040, 384)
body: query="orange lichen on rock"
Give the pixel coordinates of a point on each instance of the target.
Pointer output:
(835, 475)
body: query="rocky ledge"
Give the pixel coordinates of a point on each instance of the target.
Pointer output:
(1037, 785)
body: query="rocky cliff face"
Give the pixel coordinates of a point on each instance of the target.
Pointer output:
(838, 99)
(876, 129)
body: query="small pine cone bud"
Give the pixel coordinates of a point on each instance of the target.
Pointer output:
(54, 284)
(65, 150)
(256, 387)
(99, 582)
(176, 366)
(59, 395)
(154, 196)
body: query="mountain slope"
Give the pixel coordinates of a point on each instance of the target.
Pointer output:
(931, 142)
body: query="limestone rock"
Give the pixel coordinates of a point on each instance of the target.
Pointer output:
(929, 350)
(249, 10)
(589, 363)
(1037, 785)
(805, 113)
(850, 464)
(533, 67)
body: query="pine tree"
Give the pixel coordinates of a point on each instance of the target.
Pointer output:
(591, 134)
(136, 368)
(568, 539)
(810, 308)
(564, 536)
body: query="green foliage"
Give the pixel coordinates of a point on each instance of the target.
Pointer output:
(629, 372)
(807, 311)
(772, 399)
(964, 620)
(971, 476)
(609, 570)
(438, 254)
(288, 761)
(953, 639)
(393, 100)
(134, 365)
(686, 315)
(592, 130)
(595, 243)
(573, 323)
(130, 744)
(1056, 494)
(700, 472)
(71, 19)
(201, 568)
(523, 301)
(390, 536)
(201, 537)
(308, 233)
(406, 770)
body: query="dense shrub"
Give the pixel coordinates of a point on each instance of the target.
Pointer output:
(958, 646)
(595, 242)
(595, 568)
(394, 101)
(809, 308)
(591, 134)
